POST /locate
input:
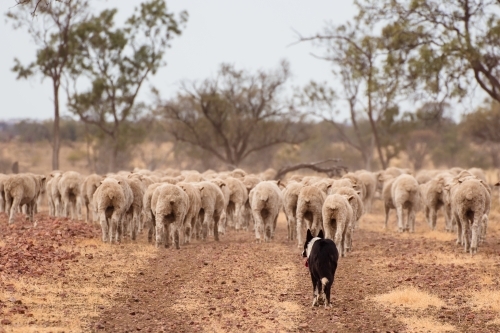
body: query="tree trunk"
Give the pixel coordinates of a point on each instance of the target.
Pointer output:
(114, 157)
(56, 132)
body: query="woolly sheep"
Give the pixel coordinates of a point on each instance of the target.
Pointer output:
(148, 213)
(434, 198)
(425, 176)
(250, 181)
(89, 186)
(357, 184)
(53, 194)
(212, 207)
(479, 173)
(170, 211)
(3, 178)
(470, 206)
(238, 196)
(309, 204)
(70, 189)
(405, 194)
(111, 204)
(225, 191)
(22, 189)
(357, 210)
(191, 223)
(290, 198)
(265, 201)
(369, 181)
(337, 214)
(134, 213)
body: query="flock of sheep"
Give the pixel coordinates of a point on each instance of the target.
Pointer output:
(174, 206)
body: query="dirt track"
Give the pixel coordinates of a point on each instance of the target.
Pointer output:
(239, 286)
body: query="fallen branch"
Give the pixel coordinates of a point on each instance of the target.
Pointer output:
(332, 171)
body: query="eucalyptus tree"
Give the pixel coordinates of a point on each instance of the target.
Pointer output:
(52, 33)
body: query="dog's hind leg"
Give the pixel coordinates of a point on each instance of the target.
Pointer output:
(327, 288)
(315, 290)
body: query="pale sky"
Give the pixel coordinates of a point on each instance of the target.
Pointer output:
(250, 34)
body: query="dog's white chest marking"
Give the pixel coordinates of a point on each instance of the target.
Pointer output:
(310, 245)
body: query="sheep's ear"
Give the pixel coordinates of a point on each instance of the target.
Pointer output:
(320, 234)
(329, 185)
(100, 183)
(349, 198)
(119, 182)
(43, 177)
(358, 192)
(201, 188)
(497, 184)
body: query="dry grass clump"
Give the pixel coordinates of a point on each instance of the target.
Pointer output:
(409, 297)
(486, 299)
(426, 325)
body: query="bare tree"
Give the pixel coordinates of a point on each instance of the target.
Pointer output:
(235, 114)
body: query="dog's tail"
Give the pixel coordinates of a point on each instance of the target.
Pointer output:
(324, 281)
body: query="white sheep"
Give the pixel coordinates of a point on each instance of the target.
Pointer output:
(309, 204)
(170, 211)
(22, 189)
(212, 207)
(191, 224)
(70, 189)
(337, 214)
(89, 186)
(265, 201)
(111, 204)
(290, 199)
(405, 194)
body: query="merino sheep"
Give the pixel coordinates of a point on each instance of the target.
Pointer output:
(369, 181)
(405, 194)
(238, 196)
(434, 197)
(425, 176)
(212, 207)
(470, 207)
(250, 181)
(290, 199)
(134, 213)
(170, 211)
(148, 212)
(221, 183)
(22, 189)
(70, 189)
(111, 204)
(191, 223)
(357, 210)
(479, 173)
(266, 201)
(3, 178)
(53, 194)
(357, 183)
(89, 186)
(309, 205)
(337, 214)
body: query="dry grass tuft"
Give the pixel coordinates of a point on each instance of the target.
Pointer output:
(426, 325)
(486, 299)
(410, 297)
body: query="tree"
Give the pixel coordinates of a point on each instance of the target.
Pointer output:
(52, 33)
(235, 114)
(450, 43)
(483, 127)
(370, 74)
(117, 62)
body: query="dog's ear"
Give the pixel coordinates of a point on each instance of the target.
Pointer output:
(320, 234)
(309, 235)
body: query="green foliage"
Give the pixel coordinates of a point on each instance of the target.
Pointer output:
(115, 62)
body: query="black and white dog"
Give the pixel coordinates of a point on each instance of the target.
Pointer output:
(322, 256)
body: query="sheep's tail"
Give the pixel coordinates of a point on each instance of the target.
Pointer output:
(411, 188)
(324, 281)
